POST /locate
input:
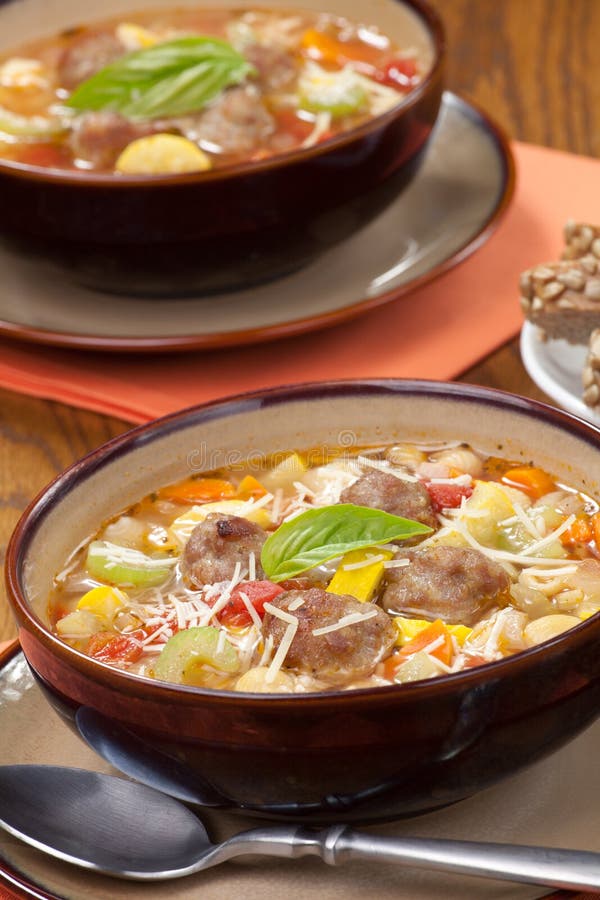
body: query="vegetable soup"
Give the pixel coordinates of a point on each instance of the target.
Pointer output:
(315, 572)
(188, 90)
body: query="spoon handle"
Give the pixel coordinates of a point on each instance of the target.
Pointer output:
(574, 869)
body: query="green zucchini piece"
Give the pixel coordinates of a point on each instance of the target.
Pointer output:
(38, 127)
(189, 650)
(124, 566)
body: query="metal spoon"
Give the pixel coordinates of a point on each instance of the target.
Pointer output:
(125, 829)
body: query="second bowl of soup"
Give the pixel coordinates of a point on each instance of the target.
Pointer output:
(206, 147)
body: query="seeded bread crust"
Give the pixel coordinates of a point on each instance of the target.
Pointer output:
(591, 371)
(563, 299)
(581, 239)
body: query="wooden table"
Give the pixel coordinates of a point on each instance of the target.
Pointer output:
(532, 63)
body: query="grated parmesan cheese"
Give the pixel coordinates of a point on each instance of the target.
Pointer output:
(251, 610)
(386, 467)
(344, 622)
(286, 641)
(396, 563)
(370, 560)
(296, 604)
(461, 480)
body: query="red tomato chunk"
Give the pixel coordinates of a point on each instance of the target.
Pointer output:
(447, 496)
(258, 593)
(108, 647)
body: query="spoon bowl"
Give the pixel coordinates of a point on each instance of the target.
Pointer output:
(127, 830)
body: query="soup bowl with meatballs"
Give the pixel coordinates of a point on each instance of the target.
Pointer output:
(350, 600)
(160, 149)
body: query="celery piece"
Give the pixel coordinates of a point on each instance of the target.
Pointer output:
(124, 566)
(38, 127)
(189, 650)
(337, 93)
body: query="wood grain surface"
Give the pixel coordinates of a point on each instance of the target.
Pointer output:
(532, 64)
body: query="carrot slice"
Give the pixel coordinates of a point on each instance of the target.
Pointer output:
(582, 531)
(595, 522)
(198, 490)
(430, 635)
(535, 482)
(436, 633)
(249, 487)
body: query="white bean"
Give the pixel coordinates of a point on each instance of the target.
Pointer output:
(547, 627)
(461, 458)
(254, 681)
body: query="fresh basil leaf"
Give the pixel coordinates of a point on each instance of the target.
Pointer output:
(169, 79)
(325, 532)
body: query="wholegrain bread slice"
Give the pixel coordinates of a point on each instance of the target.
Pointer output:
(581, 239)
(591, 371)
(563, 298)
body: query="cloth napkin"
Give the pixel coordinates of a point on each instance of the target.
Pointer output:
(436, 331)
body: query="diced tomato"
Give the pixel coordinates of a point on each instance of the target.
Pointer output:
(258, 593)
(399, 73)
(298, 129)
(471, 662)
(107, 646)
(148, 630)
(49, 156)
(447, 496)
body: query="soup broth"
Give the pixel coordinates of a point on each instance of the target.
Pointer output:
(192, 89)
(311, 572)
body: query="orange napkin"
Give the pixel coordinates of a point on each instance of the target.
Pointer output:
(437, 331)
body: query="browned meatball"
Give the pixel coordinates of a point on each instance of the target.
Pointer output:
(275, 66)
(236, 121)
(380, 490)
(217, 544)
(455, 584)
(99, 137)
(86, 55)
(337, 656)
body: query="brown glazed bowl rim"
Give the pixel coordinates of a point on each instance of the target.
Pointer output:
(135, 685)
(431, 21)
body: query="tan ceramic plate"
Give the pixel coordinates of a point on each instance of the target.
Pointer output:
(548, 804)
(465, 184)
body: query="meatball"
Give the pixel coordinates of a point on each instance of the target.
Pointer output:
(236, 121)
(275, 66)
(455, 584)
(380, 490)
(86, 55)
(217, 544)
(99, 137)
(336, 656)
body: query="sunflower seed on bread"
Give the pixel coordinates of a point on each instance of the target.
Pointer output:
(563, 298)
(591, 371)
(581, 239)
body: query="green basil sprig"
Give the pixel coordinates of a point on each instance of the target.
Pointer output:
(326, 532)
(168, 79)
